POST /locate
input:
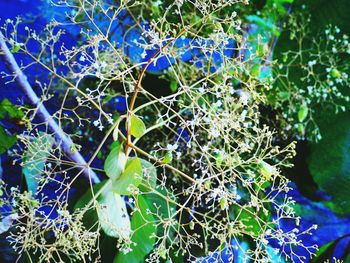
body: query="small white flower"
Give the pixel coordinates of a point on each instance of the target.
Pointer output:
(157, 3)
(171, 147)
(178, 155)
(312, 63)
(214, 132)
(218, 104)
(201, 90)
(96, 123)
(205, 148)
(104, 64)
(244, 97)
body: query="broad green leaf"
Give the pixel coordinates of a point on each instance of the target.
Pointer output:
(137, 127)
(250, 220)
(160, 205)
(34, 159)
(90, 217)
(115, 162)
(131, 177)
(142, 222)
(6, 141)
(118, 222)
(149, 175)
(329, 161)
(86, 198)
(12, 111)
(113, 215)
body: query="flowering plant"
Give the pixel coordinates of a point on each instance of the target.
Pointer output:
(156, 139)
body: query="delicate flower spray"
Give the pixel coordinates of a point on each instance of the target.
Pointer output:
(185, 175)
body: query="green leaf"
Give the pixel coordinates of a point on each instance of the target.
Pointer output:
(35, 158)
(12, 110)
(132, 176)
(160, 205)
(335, 73)
(255, 71)
(173, 86)
(301, 129)
(321, 251)
(223, 203)
(303, 112)
(253, 221)
(137, 127)
(329, 161)
(143, 224)
(90, 217)
(115, 162)
(15, 48)
(326, 252)
(283, 95)
(113, 215)
(168, 157)
(149, 176)
(6, 141)
(87, 196)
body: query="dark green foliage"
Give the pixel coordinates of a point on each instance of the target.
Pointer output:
(329, 162)
(10, 111)
(142, 222)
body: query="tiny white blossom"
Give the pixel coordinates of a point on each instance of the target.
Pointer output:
(172, 147)
(96, 123)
